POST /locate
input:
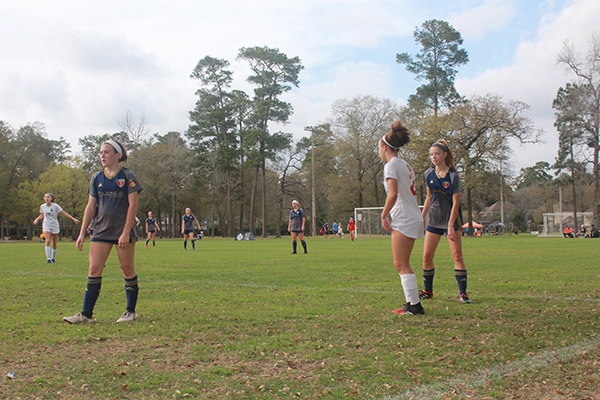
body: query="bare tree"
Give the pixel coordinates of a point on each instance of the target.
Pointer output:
(587, 70)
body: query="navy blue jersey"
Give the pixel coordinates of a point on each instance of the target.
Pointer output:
(151, 224)
(188, 222)
(296, 218)
(112, 196)
(442, 190)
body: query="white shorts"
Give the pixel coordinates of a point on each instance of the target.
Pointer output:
(54, 229)
(414, 230)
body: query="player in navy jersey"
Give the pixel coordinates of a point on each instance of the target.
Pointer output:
(445, 217)
(110, 215)
(187, 228)
(401, 207)
(151, 228)
(296, 225)
(49, 212)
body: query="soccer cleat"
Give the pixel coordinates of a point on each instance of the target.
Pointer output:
(410, 309)
(425, 295)
(464, 299)
(53, 261)
(401, 310)
(146, 245)
(127, 316)
(48, 261)
(78, 319)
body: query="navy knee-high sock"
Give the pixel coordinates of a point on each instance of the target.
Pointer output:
(461, 279)
(92, 292)
(193, 244)
(131, 290)
(428, 280)
(294, 245)
(304, 245)
(185, 244)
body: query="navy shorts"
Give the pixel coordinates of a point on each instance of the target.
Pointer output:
(188, 231)
(437, 231)
(297, 231)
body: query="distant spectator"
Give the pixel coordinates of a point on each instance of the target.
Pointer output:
(594, 233)
(581, 232)
(568, 232)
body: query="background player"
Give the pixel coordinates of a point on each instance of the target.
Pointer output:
(51, 227)
(296, 225)
(351, 227)
(187, 228)
(151, 228)
(445, 216)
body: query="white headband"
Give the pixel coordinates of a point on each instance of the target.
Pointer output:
(386, 142)
(117, 147)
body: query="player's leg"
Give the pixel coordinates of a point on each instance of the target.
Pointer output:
(148, 238)
(185, 238)
(460, 270)
(153, 239)
(126, 261)
(430, 245)
(193, 240)
(301, 236)
(294, 243)
(99, 252)
(401, 248)
(48, 246)
(54, 246)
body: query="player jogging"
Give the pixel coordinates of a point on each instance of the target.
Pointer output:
(296, 225)
(151, 228)
(445, 216)
(187, 228)
(110, 214)
(401, 205)
(49, 213)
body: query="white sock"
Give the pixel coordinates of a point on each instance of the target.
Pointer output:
(54, 253)
(409, 285)
(48, 252)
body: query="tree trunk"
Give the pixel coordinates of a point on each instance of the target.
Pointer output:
(264, 198)
(253, 198)
(596, 184)
(469, 211)
(173, 214)
(230, 207)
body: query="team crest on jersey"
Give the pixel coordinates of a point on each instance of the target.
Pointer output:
(446, 184)
(132, 184)
(120, 182)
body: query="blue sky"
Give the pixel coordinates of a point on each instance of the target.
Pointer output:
(80, 66)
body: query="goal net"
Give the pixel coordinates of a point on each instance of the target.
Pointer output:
(368, 221)
(555, 223)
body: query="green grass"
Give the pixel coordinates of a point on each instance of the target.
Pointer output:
(243, 320)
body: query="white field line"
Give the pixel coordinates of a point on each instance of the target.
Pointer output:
(440, 390)
(284, 287)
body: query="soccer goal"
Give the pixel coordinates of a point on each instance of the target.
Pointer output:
(555, 223)
(368, 221)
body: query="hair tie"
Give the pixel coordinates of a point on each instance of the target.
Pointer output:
(116, 146)
(386, 142)
(441, 146)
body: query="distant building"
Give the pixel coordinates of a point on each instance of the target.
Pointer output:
(493, 212)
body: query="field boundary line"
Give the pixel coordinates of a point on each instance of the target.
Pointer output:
(439, 390)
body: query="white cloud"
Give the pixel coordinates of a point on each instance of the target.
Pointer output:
(492, 15)
(534, 77)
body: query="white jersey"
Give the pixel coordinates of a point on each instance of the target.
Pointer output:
(50, 217)
(405, 214)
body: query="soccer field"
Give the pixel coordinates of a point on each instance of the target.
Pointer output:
(241, 320)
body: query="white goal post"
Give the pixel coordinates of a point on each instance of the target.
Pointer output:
(368, 221)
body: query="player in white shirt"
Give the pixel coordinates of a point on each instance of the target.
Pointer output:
(49, 213)
(401, 205)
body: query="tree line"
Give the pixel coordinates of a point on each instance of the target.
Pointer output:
(232, 157)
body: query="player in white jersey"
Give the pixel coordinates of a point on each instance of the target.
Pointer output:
(401, 205)
(49, 212)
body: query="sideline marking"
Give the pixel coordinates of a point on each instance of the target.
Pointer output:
(439, 390)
